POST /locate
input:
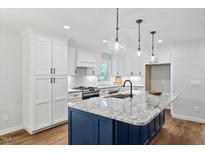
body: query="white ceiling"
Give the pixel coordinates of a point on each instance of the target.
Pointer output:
(91, 26)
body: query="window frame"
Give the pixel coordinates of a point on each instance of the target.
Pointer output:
(109, 71)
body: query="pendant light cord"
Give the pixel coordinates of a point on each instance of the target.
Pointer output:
(139, 38)
(117, 26)
(153, 32)
(152, 44)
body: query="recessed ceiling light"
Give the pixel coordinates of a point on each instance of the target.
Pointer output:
(66, 27)
(104, 41)
(160, 41)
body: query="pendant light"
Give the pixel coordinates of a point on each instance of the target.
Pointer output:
(153, 57)
(139, 37)
(116, 44)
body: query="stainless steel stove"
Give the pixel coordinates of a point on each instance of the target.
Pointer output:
(89, 92)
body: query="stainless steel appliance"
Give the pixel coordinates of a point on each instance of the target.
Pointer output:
(89, 92)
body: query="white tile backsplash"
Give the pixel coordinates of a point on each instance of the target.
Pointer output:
(82, 80)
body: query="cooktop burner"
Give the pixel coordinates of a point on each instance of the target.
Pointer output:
(83, 88)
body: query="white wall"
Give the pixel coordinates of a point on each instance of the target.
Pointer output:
(161, 78)
(10, 79)
(188, 60)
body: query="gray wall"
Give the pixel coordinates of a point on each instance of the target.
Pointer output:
(188, 70)
(10, 79)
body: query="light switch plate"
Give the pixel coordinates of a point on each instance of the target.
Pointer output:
(195, 82)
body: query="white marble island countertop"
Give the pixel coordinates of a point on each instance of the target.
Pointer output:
(139, 110)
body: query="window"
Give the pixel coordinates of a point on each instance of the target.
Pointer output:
(105, 68)
(104, 71)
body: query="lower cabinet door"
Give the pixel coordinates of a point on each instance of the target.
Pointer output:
(59, 99)
(89, 129)
(42, 102)
(144, 134)
(162, 118)
(152, 131)
(104, 131)
(157, 123)
(81, 128)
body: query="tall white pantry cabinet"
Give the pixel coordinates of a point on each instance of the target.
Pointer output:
(45, 70)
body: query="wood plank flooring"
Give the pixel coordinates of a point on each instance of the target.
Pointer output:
(174, 131)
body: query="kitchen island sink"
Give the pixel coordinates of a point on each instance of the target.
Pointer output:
(120, 96)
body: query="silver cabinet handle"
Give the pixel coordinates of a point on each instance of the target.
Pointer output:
(54, 80)
(51, 70)
(51, 80)
(54, 70)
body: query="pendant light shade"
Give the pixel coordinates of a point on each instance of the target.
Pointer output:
(116, 43)
(153, 58)
(139, 37)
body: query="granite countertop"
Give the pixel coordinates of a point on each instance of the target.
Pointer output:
(139, 110)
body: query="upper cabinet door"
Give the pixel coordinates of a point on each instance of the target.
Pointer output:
(135, 65)
(118, 65)
(128, 65)
(42, 58)
(72, 60)
(86, 58)
(60, 57)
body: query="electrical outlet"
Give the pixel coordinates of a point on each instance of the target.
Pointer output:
(196, 109)
(5, 118)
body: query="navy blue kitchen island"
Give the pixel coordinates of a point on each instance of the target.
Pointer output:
(91, 129)
(113, 121)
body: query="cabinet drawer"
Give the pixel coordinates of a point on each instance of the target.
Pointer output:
(103, 92)
(74, 95)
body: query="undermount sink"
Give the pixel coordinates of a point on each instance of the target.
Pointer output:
(120, 96)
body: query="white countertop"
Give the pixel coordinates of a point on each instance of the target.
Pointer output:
(139, 110)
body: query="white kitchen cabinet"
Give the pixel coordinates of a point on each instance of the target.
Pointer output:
(45, 69)
(75, 96)
(132, 65)
(59, 99)
(86, 58)
(60, 57)
(118, 65)
(42, 102)
(72, 60)
(95, 71)
(42, 55)
(104, 92)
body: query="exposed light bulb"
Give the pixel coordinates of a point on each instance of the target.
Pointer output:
(117, 46)
(153, 59)
(138, 53)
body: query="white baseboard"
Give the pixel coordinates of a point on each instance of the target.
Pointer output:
(10, 130)
(188, 118)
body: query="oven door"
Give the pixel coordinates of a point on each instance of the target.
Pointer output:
(90, 95)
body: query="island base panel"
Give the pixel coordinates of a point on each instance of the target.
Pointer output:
(90, 129)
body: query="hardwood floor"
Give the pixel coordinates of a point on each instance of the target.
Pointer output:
(174, 131)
